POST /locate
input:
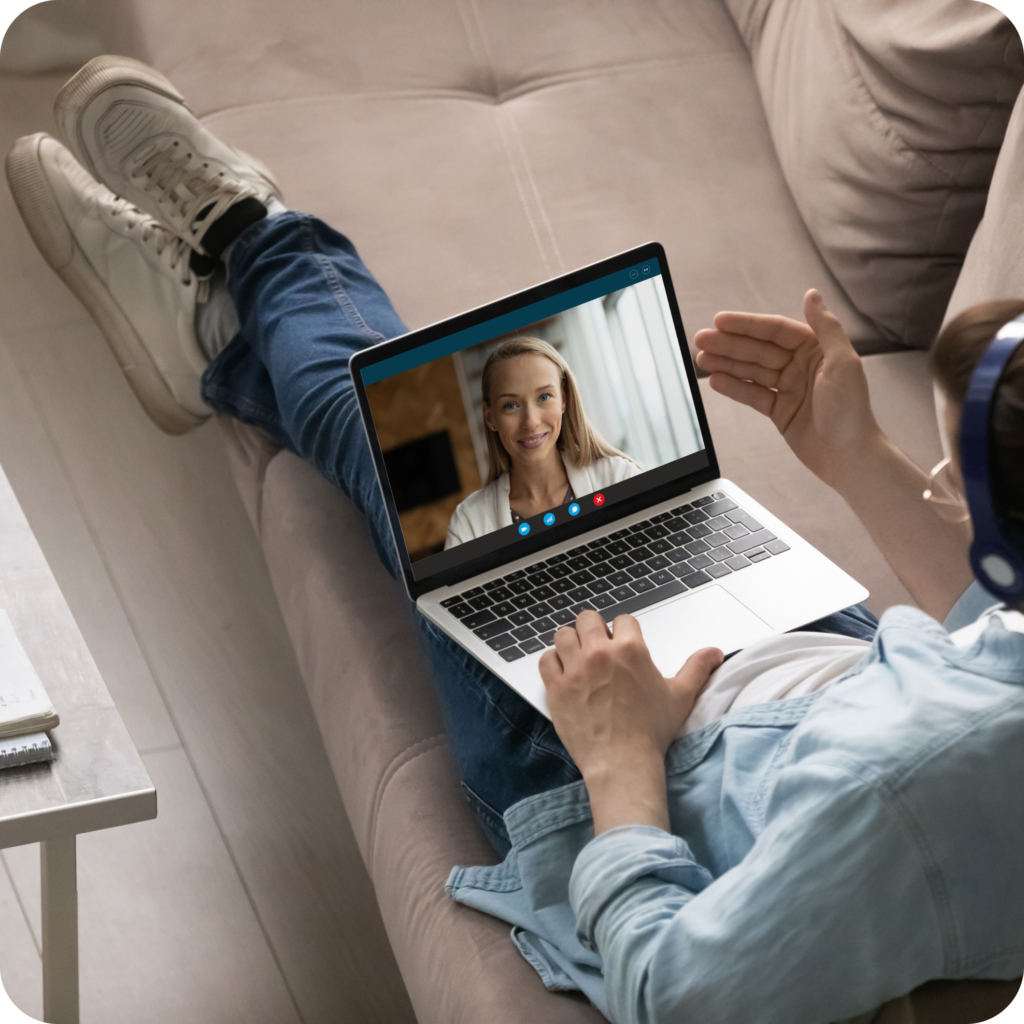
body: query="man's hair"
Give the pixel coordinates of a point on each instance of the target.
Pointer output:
(954, 356)
(578, 439)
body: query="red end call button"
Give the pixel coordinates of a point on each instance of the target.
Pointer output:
(599, 500)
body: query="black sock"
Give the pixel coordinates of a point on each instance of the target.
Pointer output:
(202, 266)
(227, 227)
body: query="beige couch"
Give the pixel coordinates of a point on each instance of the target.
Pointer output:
(475, 147)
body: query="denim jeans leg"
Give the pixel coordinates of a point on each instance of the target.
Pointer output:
(306, 303)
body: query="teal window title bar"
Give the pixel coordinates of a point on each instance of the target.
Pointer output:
(510, 322)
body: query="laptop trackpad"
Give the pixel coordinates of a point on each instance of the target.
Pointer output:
(710, 618)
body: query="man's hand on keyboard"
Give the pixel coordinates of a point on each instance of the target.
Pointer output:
(617, 714)
(806, 377)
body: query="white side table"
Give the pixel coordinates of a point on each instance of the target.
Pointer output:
(97, 779)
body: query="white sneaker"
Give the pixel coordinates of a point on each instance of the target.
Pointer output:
(129, 272)
(130, 128)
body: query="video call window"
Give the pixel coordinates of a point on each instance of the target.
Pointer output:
(621, 353)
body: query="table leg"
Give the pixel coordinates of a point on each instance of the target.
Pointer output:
(60, 931)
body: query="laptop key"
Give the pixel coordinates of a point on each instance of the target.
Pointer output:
(580, 578)
(520, 618)
(501, 593)
(452, 600)
(718, 570)
(679, 555)
(739, 516)
(638, 602)
(547, 639)
(623, 593)
(681, 509)
(618, 547)
(758, 556)
(695, 579)
(718, 523)
(697, 547)
(656, 531)
(600, 586)
(659, 547)
(564, 617)
(475, 592)
(543, 625)
(519, 586)
(719, 506)
(504, 608)
(716, 540)
(599, 543)
(661, 518)
(573, 552)
(736, 531)
(493, 629)
(641, 586)
(700, 562)
(584, 606)
(718, 495)
(559, 601)
(538, 579)
(635, 540)
(720, 554)
(499, 643)
(531, 646)
(737, 562)
(618, 534)
(543, 593)
(511, 654)
(460, 611)
(755, 540)
(541, 609)
(479, 619)
(602, 569)
(513, 576)
(659, 579)
(599, 555)
(642, 554)
(674, 524)
(536, 567)
(658, 562)
(620, 579)
(695, 517)
(579, 562)
(557, 572)
(580, 594)
(603, 601)
(679, 539)
(621, 562)
(554, 560)
(700, 502)
(524, 600)
(493, 585)
(700, 531)
(480, 603)
(776, 547)
(561, 586)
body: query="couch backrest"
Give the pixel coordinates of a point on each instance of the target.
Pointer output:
(887, 119)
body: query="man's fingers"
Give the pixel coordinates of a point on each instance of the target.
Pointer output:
(742, 348)
(829, 330)
(550, 668)
(780, 330)
(741, 371)
(697, 670)
(567, 646)
(744, 392)
(590, 626)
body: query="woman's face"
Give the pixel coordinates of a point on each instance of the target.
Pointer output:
(525, 407)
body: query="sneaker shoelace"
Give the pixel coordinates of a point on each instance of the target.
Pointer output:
(174, 252)
(185, 189)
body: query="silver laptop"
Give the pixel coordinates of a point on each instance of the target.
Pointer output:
(657, 532)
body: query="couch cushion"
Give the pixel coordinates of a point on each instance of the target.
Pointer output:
(994, 268)
(887, 119)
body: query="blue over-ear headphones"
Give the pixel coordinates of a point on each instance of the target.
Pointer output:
(997, 558)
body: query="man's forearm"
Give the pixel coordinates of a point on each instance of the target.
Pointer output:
(930, 556)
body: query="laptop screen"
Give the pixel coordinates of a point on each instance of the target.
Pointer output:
(535, 418)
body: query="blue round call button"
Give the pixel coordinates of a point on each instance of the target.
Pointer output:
(574, 509)
(549, 518)
(524, 529)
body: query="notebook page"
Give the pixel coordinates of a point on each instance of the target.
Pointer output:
(21, 693)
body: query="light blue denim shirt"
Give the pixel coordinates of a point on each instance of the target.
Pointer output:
(828, 853)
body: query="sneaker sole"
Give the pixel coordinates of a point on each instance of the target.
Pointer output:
(103, 73)
(45, 222)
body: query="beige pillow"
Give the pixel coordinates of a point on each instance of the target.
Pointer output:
(887, 116)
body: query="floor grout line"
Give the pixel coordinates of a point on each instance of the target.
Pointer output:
(137, 634)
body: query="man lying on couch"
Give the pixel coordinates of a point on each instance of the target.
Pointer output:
(798, 858)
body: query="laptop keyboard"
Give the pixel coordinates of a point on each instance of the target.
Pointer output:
(626, 571)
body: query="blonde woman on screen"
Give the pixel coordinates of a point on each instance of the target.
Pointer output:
(542, 450)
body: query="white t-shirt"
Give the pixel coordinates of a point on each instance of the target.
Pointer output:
(795, 664)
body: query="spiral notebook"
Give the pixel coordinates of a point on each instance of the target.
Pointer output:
(25, 709)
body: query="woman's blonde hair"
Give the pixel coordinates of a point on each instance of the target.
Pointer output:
(578, 439)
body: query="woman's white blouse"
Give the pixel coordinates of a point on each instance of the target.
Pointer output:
(488, 509)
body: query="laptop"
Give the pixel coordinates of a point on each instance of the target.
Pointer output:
(657, 533)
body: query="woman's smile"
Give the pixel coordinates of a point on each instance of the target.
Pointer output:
(533, 441)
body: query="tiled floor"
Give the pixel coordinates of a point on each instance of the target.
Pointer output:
(246, 898)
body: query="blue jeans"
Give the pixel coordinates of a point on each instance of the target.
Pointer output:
(305, 303)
